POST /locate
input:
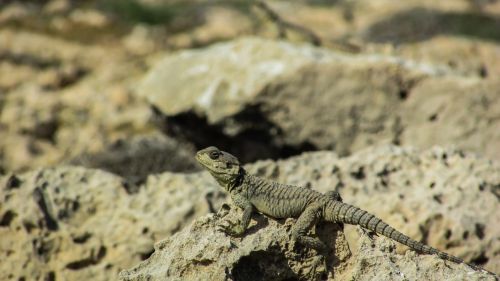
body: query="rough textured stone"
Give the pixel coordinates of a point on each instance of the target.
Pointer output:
(201, 252)
(61, 99)
(141, 156)
(222, 78)
(268, 93)
(442, 197)
(459, 112)
(82, 224)
(260, 101)
(69, 223)
(377, 260)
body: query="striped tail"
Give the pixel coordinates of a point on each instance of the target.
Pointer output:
(339, 212)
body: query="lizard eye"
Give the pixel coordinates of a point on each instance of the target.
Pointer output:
(213, 155)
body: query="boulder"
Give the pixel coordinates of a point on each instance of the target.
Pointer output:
(203, 252)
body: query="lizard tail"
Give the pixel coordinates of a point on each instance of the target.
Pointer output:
(339, 212)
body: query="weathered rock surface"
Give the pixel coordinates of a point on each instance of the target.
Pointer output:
(443, 197)
(460, 112)
(71, 223)
(201, 252)
(60, 99)
(140, 156)
(79, 224)
(259, 93)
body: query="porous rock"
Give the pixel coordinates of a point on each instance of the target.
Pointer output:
(265, 94)
(203, 252)
(73, 223)
(443, 197)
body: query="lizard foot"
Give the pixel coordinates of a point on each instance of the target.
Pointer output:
(231, 229)
(223, 211)
(314, 243)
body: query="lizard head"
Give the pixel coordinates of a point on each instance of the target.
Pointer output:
(224, 167)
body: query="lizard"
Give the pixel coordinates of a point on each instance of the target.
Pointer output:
(277, 200)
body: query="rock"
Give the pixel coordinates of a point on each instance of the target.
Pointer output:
(80, 224)
(202, 252)
(141, 156)
(297, 98)
(224, 77)
(89, 17)
(57, 7)
(219, 23)
(15, 12)
(442, 197)
(377, 260)
(49, 106)
(433, 114)
(273, 89)
(265, 253)
(141, 40)
(69, 223)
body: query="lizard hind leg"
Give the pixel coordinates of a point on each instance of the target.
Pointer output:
(334, 195)
(308, 219)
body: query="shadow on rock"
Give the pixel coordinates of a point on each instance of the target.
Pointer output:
(421, 24)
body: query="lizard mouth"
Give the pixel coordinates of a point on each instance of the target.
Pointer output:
(199, 159)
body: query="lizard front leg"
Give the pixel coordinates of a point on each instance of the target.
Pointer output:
(235, 229)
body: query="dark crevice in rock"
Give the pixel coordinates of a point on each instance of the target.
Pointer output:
(447, 234)
(43, 130)
(81, 239)
(89, 261)
(496, 191)
(13, 182)
(42, 248)
(424, 231)
(403, 94)
(51, 276)
(146, 255)
(433, 117)
(438, 198)
(358, 173)
(7, 218)
(248, 134)
(481, 259)
(27, 59)
(42, 202)
(263, 265)
(479, 230)
(67, 79)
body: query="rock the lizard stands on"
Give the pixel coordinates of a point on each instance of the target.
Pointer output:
(277, 200)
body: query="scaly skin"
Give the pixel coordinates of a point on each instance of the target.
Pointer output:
(277, 200)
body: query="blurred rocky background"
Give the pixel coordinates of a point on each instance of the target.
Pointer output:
(103, 103)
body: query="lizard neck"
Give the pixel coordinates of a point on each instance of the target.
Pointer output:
(253, 182)
(238, 180)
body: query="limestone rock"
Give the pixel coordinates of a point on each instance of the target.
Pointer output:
(69, 223)
(377, 260)
(443, 197)
(219, 80)
(273, 90)
(80, 224)
(202, 252)
(140, 156)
